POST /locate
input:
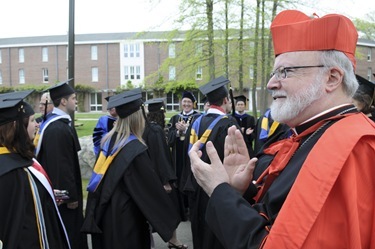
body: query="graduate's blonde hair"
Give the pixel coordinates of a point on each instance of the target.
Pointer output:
(132, 124)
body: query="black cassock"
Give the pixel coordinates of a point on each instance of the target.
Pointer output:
(203, 237)
(128, 200)
(18, 227)
(58, 156)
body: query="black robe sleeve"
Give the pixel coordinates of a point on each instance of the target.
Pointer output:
(245, 229)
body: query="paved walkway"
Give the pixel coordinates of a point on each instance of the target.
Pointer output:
(183, 234)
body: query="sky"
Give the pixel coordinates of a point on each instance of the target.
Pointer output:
(21, 18)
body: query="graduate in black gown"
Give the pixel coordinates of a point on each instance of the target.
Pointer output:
(57, 151)
(126, 196)
(28, 211)
(364, 97)
(155, 137)
(177, 140)
(214, 124)
(245, 121)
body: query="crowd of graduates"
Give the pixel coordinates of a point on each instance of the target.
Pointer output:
(299, 176)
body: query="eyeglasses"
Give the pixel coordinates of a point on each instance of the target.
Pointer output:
(281, 72)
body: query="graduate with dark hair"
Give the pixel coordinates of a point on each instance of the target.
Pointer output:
(160, 154)
(57, 150)
(126, 196)
(28, 212)
(213, 127)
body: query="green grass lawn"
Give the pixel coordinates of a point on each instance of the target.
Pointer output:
(89, 120)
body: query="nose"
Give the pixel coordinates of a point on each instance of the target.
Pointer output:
(273, 83)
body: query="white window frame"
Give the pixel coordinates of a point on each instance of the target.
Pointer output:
(131, 50)
(368, 54)
(126, 50)
(172, 50)
(1, 60)
(199, 73)
(172, 73)
(21, 55)
(21, 76)
(131, 73)
(45, 54)
(45, 75)
(138, 72)
(94, 74)
(1, 78)
(94, 53)
(126, 73)
(137, 50)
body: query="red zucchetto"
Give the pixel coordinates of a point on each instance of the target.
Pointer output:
(294, 31)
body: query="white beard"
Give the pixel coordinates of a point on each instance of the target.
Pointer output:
(293, 105)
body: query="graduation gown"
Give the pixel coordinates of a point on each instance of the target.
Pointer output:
(18, 227)
(128, 200)
(103, 126)
(58, 155)
(202, 235)
(300, 209)
(246, 121)
(178, 146)
(160, 155)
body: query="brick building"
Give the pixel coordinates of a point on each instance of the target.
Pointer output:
(109, 61)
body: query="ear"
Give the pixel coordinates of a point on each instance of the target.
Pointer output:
(335, 78)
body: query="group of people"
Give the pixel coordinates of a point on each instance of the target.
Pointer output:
(302, 177)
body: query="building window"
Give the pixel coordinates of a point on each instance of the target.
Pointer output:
(1, 60)
(138, 72)
(198, 75)
(96, 101)
(137, 50)
(45, 75)
(369, 73)
(126, 50)
(1, 77)
(172, 50)
(172, 73)
(369, 54)
(94, 53)
(21, 76)
(132, 77)
(44, 54)
(94, 74)
(21, 55)
(67, 53)
(199, 49)
(126, 72)
(131, 50)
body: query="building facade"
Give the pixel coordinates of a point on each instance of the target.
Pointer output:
(113, 61)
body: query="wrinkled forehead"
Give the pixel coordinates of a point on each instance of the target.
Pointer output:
(297, 58)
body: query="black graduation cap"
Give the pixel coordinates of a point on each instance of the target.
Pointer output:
(60, 90)
(189, 95)
(241, 98)
(127, 102)
(12, 106)
(204, 100)
(215, 89)
(156, 104)
(366, 86)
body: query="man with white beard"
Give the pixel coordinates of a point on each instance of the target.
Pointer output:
(315, 189)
